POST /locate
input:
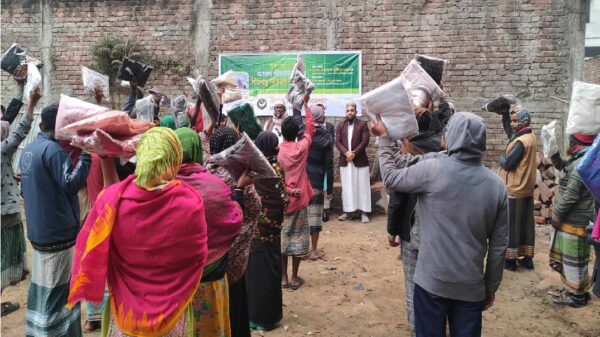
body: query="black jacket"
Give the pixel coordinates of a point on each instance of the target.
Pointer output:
(320, 159)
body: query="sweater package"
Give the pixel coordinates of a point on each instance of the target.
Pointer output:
(244, 155)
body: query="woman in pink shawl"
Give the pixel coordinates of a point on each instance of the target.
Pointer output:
(224, 220)
(147, 238)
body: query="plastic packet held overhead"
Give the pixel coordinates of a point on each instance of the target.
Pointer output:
(71, 110)
(102, 143)
(145, 108)
(15, 61)
(244, 155)
(208, 94)
(232, 92)
(392, 102)
(140, 71)
(433, 66)
(92, 80)
(584, 110)
(114, 122)
(242, 116)
(34, 78)
(300, 85)
(548, 136)
(421, 88)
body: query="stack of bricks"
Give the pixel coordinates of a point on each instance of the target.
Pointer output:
(546, 183)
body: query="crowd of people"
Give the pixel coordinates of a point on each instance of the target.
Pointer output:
(173, 244)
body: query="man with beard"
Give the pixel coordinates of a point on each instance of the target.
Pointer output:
(352, 138)
(274, 124)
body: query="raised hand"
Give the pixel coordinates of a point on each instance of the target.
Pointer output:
(378, 128)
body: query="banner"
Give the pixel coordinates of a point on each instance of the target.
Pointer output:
(264, 78)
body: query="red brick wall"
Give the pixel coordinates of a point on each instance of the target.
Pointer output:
(494, 47)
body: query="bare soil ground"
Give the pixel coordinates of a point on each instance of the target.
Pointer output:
(358, 290)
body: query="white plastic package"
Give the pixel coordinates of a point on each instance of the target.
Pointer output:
(300, 85)
(244, 155)
(232, 92)
(584, 110)
(421, 88)
(92, 80)
(392, 102)
(548, 136)
(34, 78)
(145, 108)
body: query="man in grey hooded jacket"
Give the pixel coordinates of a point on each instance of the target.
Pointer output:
(464, 219)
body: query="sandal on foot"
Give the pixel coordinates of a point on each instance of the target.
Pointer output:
(297, 286)
(8, 307)
(285, 286)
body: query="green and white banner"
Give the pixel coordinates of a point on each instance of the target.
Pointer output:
(265, 77)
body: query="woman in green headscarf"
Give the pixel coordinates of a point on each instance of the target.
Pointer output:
(224, 218)
(168, 121)
(150, 249)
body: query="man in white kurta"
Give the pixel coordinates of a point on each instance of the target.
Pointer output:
(352, 139)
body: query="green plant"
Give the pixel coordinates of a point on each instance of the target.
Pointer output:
(109, 50)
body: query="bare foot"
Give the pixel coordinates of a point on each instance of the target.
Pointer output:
(91, 326)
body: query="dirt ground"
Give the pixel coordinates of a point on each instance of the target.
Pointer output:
(358, 290)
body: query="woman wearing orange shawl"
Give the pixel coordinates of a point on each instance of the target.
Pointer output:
(147, 238)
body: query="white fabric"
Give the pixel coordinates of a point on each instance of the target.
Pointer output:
(356, 188)
(276, 130)
(356, 183)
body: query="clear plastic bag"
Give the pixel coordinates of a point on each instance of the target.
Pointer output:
(584, 110)
(92, 80)
(102, 143)
(232, 92)
(208, 95)
(71, 110)
(34, 78)
(116, 123)
(421, 88)
(548, 136)
(392, 102)
(145, 108)
(300, 85)
(244, 155)
(15, 61)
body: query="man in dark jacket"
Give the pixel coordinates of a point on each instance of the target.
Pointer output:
(50, 184)
(328, 187)
(319, 165)
(352, 139)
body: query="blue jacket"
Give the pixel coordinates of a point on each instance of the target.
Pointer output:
(50, 184)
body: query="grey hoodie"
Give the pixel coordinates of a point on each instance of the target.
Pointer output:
(462, 208)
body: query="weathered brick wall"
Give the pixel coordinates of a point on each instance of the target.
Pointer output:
(527, 48)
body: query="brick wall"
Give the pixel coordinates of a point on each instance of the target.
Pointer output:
(526, 48)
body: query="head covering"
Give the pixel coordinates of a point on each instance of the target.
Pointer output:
(583, 139)
(523, 118)
(191, 145)
(168, 121)
(5, 129)
(578, 141)
(179, 104)
(221, 139)
(267, 142)
(465, 137)
(159, 157)
(183, 121)
(318, 113)
(279, 101)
